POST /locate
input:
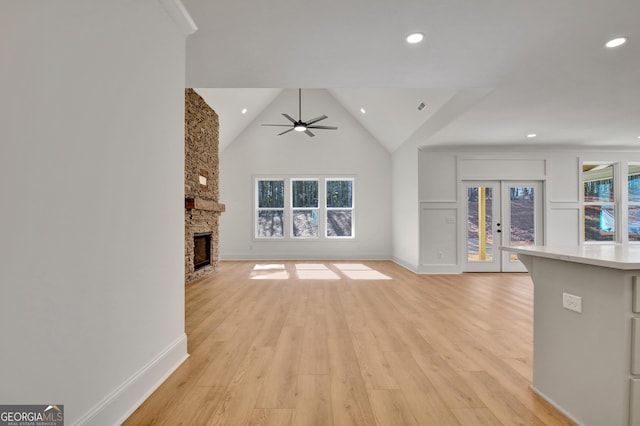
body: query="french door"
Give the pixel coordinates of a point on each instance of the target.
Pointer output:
(500, 213)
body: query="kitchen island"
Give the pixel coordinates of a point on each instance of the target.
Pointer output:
(586, 349)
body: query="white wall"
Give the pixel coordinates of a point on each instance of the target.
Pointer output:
(443, 168)
(350, 150)
(404, 204)
(91, 216)
(438, 197)
(406, 209)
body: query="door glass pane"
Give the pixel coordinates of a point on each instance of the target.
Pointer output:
(479, 224)
(599, 223)
(521, 208)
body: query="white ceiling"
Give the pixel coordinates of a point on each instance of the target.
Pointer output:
(229, 104)
(542, 63)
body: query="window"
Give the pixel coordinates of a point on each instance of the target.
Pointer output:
(339, 208)
(316, 208)
(633, 190)
(304, 208)
(599, 202)
(270, 212)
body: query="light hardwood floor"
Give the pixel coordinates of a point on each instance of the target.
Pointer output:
(346, 346)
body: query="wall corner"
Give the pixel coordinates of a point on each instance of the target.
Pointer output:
(180, 16)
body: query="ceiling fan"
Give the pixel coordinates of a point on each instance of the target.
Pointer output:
(299, 125)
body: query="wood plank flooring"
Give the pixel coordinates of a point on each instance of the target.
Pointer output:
(353, 343)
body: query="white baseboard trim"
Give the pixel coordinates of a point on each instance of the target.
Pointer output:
(126, 398)
(439, 269)
(407, 265)
(302, 256)
(557, 407)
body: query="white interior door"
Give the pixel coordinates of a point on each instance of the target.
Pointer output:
(500, 213)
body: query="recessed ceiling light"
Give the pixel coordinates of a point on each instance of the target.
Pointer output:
(244, 110)
(616, 42)
(414, 38)
(362, 110)
(531, 135)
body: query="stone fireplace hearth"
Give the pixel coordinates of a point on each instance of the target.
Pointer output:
(202, 209)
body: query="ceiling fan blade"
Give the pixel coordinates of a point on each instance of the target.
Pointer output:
(323, 127)
(286, 131)
(289, 118)
(279, 125)
(309, 133)
(315, 120)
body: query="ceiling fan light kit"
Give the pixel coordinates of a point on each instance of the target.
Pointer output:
(302, 126)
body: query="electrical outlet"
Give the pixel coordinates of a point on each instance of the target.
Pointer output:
(572, 302)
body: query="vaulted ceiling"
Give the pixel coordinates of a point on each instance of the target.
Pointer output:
(541, 66)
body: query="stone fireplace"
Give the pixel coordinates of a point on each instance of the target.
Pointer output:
(201, 172)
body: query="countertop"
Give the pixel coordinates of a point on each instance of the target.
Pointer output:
(617, 256)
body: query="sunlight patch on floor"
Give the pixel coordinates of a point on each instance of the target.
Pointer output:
(352, 267)
(311, 266)
(358, 271)
(279, 266)
(273, 271)
(315, 271)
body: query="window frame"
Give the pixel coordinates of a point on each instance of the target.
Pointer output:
(293, 209)
(288, 216)
(615, 204)
(328, 209)
(257, 209)
(630, 203)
